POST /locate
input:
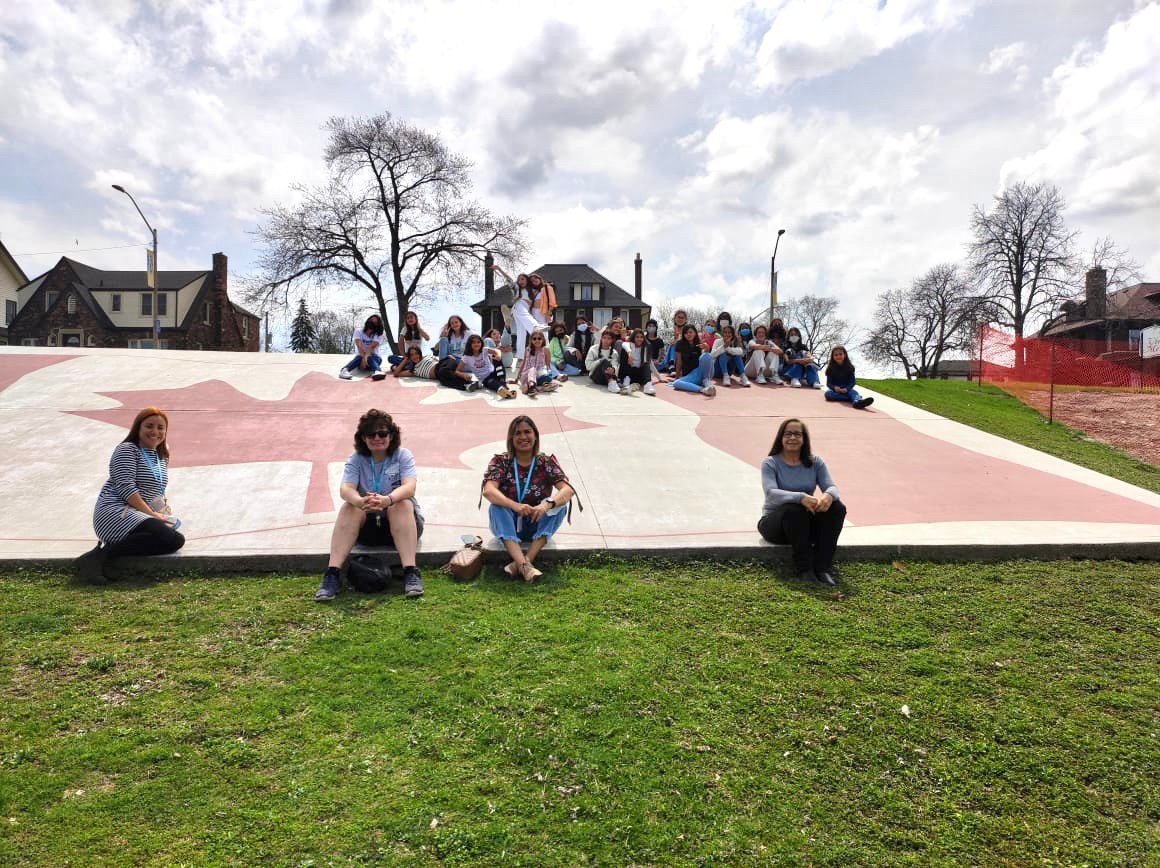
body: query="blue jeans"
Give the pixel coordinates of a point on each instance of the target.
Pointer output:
(798, 371)
(373, 360)
(505, 525)
(692, 381)
(670, 362)
(727, 363)
(851, 395)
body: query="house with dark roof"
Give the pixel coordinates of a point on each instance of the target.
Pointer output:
(1103, 323)
(580, 289)
(12, 277)
(76, 305)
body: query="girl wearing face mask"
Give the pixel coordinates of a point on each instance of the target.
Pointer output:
(764, 358)
(602, 360)
(656, 344)
(708, 335)
(840, 380)
(729, 354)
(576, 353)
(556, 348)
(800, 363)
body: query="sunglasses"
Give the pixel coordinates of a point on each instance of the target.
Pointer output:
(378, 435)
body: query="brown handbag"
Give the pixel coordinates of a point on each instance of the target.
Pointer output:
(466, 562)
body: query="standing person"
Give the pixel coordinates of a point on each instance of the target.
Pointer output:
(792, 513)
(800, 363)
(694, 367)
(536, 367)
(556, 349)
(636, 368)
(532, 307)
(524, 508)
(840, 380)
(132, 516)
(411, 335)
(366, 344)
(576, 353)
(602, 361)
(729, 355)
(378, 503)
(764, 357)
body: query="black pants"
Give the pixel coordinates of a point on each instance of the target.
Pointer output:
(446, 374)
(601, 372)
(640, 375)
(813, 535)
(150, 537)
(494, 380)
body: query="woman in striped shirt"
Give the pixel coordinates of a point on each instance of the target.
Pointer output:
(132, 515)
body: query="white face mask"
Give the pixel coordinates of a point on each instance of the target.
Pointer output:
(794, 339)
(582, 327)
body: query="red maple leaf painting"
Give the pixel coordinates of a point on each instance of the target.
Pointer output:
(212, 423)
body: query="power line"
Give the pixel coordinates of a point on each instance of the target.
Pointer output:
(82, 250)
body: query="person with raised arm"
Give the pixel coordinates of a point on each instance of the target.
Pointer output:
(532, 307)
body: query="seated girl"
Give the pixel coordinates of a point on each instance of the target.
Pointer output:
(694, 368)
(603, 361)
(453, 338)
(411, 335)
(656, 344)
(524, 508)
(764, 358)
(636, 368)
(579, 344)
(478, 367)
(536, 366)
(378, 503)
(416, 365)
(840, 380)
(800, 363)
(366, 343)
(680, 319)
(556, 349)
(729, 356)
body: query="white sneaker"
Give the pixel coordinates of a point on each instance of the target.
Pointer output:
(745, 381)
(726, 382)
(817, 385)
(344, 374)
(795, 383)
(709, 391)
(613, 387)
(626, 386)
(474, 385)
(649, 390)
(706, 383)
(761, 379)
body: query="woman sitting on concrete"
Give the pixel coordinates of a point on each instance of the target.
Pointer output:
(524, 508)
(840, 380)
(379, 506)
(602, 361)
(729, 356)
(636, 370)
(792, 513)
(132, 514)
(694, 367)
(800, 363)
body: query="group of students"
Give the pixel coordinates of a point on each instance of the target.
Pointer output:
(545, 355)
(528, 493)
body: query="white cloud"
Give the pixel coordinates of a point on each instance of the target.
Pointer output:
(1007, 59)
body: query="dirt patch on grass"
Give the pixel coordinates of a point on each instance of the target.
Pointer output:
(1127, 420)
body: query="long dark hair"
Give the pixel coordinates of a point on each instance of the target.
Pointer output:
(411, 332)
(134, 435)
(776, 331)
(732, 340)
(463, 326)
(375, 420)
(511, 435)
(470, 342)
(696, 341)
(807, 456)
(723, 315)
(374, 325)
(843, 371)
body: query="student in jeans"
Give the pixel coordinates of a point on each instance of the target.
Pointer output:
(524, 507)
(793, 514)
(453, 338)
(694, 367)
(800, 363)
(479, 367)
(556, 347)
(840, 380)
(764, 358)
(416, 365)
(602, 362)
(536, 367)
(379, 506)
(502, 341)
(680, 320)
(366, 343)
(636, 368)
(411, 335)
(729, 356)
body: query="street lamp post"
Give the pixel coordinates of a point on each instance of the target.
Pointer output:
(773, 276)
(155, 312)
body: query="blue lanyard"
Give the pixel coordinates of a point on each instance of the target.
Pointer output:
(156, 470)
(377, 476)
(521, 493)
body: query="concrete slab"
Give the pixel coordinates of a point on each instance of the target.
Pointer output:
(258, 443)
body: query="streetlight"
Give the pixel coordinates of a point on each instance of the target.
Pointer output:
(773, 275)
(156, 314)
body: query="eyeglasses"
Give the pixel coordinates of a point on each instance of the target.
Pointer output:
(792, 434)
(378, 435)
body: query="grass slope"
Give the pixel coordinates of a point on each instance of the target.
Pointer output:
(991, 409)
(619, 712)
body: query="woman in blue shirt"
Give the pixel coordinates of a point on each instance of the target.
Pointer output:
(792, 513)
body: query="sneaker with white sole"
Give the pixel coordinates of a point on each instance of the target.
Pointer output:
(328, 590)
(378, 375)
(816, 386)
(726, 382)
(761, 379)
(412, 583)
(344, 374)
(649, 390)
(709, 391)
(614, 387)
(795, 383)
(473, 384)
(706, 383)
(745, 381)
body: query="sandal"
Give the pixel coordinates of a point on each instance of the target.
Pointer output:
(529, 572)
(512, 570)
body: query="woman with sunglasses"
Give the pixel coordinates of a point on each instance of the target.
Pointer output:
(378, 504)
(793, 513)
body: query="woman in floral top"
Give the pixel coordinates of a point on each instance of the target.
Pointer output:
(529, 495)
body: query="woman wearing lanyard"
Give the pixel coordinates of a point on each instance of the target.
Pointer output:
(379, 506)
(132, 515)
(524, 507)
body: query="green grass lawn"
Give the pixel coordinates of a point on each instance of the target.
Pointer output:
(620, 711)
(991, 409)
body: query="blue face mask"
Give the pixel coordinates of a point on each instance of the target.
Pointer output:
(582, 327)
(709, 330)
(745, 333)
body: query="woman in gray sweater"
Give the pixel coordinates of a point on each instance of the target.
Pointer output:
(792, 513)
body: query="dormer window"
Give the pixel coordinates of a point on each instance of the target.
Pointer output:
(72, 303)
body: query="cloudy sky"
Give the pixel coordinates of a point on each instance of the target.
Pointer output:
(689, 132)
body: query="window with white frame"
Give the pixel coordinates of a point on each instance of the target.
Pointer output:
(72, 303)
(601, 316)
(9, 312)
(146, 304)
(50, 298)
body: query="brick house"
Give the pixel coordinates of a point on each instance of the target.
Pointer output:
(1103, 322)
(11, 278)
(580, 289)
(76, 305)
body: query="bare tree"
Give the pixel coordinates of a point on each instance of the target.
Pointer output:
(1121, 268)
(335, 330)
(395, 218)
(1022, 253)
(890, 342)
(817, 318)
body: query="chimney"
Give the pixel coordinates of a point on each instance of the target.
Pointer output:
(488, 275)
(220, 300)
(1096, 290)
(639, 266)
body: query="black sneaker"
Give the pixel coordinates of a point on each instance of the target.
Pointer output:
(825, 577)
(863, 403)
(90, 566)
(328, 590)
(412, 583)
